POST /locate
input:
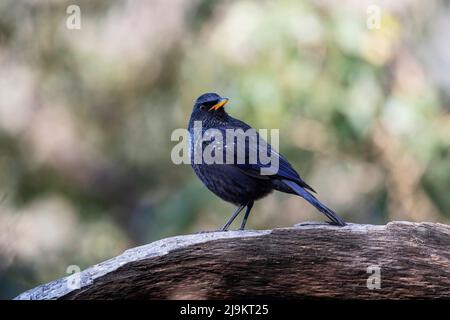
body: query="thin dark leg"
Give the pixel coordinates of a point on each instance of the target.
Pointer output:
(247, 212)
(235, 214)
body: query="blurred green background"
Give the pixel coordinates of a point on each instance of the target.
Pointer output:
(86, 117)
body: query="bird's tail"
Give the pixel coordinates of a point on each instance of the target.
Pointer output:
(315, 202)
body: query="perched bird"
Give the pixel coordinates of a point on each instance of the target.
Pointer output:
(241, 182)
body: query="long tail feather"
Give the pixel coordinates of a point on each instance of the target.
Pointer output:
(315, 202)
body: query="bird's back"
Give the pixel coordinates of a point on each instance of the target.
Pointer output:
(284, 170)
(228, 180)
(242, 180)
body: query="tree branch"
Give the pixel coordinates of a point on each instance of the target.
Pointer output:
(308, 260)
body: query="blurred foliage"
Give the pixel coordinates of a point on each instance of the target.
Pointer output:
(86, 117)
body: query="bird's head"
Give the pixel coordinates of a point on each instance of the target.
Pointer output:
(209, 106)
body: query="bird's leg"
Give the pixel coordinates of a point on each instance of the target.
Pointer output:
(235, 214)
(247, 212)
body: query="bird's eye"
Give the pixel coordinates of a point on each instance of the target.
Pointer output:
(203, 107)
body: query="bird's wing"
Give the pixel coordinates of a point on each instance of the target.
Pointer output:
(254, 144)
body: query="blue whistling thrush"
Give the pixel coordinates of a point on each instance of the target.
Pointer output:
(240, 181)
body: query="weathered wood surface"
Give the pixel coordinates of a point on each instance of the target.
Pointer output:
(305, 261)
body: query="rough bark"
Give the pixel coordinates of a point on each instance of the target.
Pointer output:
(305, 261)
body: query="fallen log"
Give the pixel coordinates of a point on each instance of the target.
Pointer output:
(400, 260)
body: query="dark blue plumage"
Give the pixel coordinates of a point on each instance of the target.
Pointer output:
(241, 181)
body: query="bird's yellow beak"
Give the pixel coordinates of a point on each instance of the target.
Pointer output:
(219, 105)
